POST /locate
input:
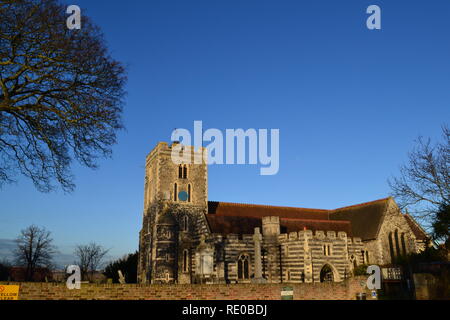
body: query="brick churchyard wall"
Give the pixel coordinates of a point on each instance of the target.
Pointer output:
(303, 291)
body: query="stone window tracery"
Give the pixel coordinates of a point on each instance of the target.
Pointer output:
(243, 266)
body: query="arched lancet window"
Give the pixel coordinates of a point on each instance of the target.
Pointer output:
(180, 171)
(391, 246)
(185, 260)
(397, 244)
(243, 266)
(184, 172)
(365, 256)
(353, 261)
(403, 244)
(189, 193)
(175, 192)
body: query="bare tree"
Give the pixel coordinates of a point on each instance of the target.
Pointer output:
(35, 249)
(61, 94)
(424, 183)
(90, 258)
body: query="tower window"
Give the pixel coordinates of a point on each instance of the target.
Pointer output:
(180, 171)
(189, 193)
(175, 192)
(184, 223)
(184, 172)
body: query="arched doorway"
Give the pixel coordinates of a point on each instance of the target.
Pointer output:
(326, 274)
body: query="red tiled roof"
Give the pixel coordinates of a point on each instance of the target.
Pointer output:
(366, 218)
(233, 224)
(257, 210)
(361, 220)
(292, 225)
(246, 225)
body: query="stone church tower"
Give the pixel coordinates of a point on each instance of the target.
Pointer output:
(175, 205)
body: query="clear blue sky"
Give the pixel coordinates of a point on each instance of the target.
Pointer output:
(348, 102)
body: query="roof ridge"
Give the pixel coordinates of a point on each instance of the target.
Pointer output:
(361, 204)
(267, 206)
(411, 218)
(289, 207)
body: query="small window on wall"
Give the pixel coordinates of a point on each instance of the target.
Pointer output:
(184, 223)
(185, 260)
(184, 172)
(189, 193)
(180, 171)
(326, 250)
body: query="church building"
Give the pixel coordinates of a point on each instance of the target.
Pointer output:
(185, 238)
